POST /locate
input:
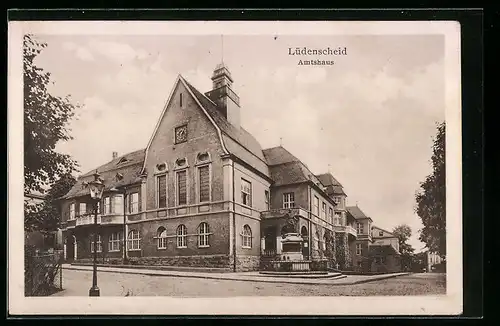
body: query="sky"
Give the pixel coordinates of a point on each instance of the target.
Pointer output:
(369, 119)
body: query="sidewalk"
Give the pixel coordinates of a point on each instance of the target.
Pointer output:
(334, 279)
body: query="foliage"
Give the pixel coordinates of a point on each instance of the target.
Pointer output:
(431, 199)
(45, 124)
(403, 233)
(45, 216)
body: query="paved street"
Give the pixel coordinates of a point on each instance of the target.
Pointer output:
(77, 283)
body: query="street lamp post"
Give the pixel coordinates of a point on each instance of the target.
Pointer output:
(96, 188)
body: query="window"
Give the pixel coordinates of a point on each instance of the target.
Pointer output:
(182, 188)
(323, 211)
(288, 200)
(117, 204)
(380, 233)
(246, 193)
(204, 183)
(180, 99)
(268, 199)
(82, 209)
(181, 236)
(162, 238)
(316, 206)
(114, 241)
(203, 233)
(133, 204)
(337, 219)
(99, 243)
(161, 191)
(106, 206)
(247, 236)
(134, 240)
(72, 211)
(359, 228)
(336, 200)
(330, 215)
(359, 249)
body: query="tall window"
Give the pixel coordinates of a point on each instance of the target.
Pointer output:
(134, 240)
(181, 236)
(330, 215)
(268, 199)
(203, 233)
(82, 209)
(133, 204)
(246, 192)
(117, 204)
(99, 243)
(338, 218)
(247, 237)
(114, 241)
(162, 238)
(360, 228)
(182, 188)
(106, 206)
(72, 211)
(288, 200)
(204, 183)
(180, 99)
(316, 206)
(323, 211)
(359, 249)
(161, 191)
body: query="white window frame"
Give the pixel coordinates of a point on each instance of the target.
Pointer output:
(114, 241)
(177, 187)
(288, 200)
(360, 228)
(81, 211)
(359, 249)
(244, 192)
(106, 205)
(323, 211)
(331, 215)
(115, 209)
(203, 235)
(157, 190)
(246, 237)
(198, 181)
(134, 242)
(99, 243)
(133, 206)
(72, 212)
(181, 237)
(162, 238)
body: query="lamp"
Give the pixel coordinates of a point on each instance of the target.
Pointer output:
(96, 188)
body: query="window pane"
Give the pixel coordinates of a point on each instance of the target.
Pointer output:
(162, 191)
(181, 188)
(204, 183)
(118, 204)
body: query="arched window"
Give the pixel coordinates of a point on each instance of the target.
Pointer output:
(303, 231)
(99, 243)
(162, 238)
(247, 236)
(203, 233)
(181, 236)
(134, 240)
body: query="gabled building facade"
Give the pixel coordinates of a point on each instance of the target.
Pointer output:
(204, 193)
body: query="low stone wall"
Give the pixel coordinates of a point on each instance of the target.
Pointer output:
(247, 263)
(210, 261)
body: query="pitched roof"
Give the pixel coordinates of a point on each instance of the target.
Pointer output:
(333, 187)
(390, 234)
(238, 141)
(130, 171)
(288, 173)
(382, 250)
(356, 212)
(278, 155)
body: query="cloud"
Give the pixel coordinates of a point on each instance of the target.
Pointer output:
(81, 52)
(121, 53)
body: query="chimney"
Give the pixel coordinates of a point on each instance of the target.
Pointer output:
(226, 99)
(115, 155)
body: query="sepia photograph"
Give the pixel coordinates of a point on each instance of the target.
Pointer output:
(251, 167)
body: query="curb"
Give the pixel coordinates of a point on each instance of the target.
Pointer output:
(254, 279)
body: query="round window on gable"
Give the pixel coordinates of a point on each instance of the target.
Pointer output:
(202, 157)
(180, 162)
(161, 167)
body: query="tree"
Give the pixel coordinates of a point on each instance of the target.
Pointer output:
(403, 233)
(45, 124)
(45, 216)
(431, 198)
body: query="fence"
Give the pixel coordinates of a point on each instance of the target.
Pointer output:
(297, 265)
(42, 272)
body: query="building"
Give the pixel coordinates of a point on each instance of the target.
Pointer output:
(432, 260)
(205, 193)
(384, 251)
